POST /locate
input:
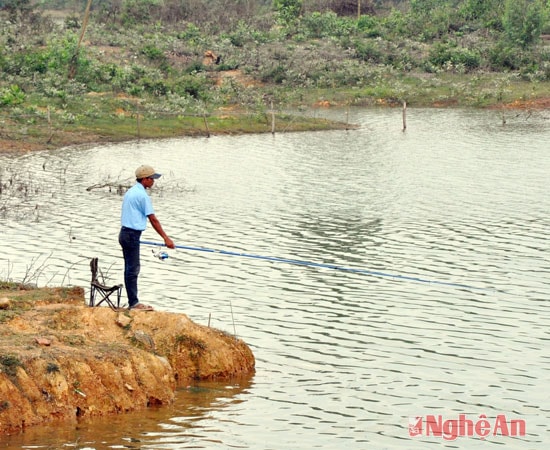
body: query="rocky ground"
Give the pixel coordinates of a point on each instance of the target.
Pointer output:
(61, 360)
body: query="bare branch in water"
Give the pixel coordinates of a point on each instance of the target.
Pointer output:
(116, 187)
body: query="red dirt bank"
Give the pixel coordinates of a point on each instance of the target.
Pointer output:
(63, 360)
(538, 104)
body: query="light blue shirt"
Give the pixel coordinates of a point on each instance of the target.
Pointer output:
(136, 206)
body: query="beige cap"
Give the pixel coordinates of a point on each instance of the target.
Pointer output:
(146, 172)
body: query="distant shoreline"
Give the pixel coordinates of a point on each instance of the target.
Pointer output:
(239, 124)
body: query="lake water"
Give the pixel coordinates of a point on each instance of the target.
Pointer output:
(344, 360)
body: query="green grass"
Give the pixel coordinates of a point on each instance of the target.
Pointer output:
(111, 118)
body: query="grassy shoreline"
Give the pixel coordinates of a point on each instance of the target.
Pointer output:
(117, 119)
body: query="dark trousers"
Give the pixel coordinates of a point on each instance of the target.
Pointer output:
(129, 241)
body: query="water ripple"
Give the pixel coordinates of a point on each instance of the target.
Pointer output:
(342, 358)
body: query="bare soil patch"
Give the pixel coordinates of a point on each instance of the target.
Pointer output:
(61, 360)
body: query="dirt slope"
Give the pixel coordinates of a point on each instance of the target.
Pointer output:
(60, 359)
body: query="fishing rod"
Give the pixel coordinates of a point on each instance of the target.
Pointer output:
(164, 255)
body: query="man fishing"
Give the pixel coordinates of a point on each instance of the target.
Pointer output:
(136, 209)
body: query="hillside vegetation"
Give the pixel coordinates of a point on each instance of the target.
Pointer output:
(87, 70)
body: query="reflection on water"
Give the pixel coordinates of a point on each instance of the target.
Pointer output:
(343, 359)
(180, 425)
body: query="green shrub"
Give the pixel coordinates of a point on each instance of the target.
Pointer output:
(54, 57)
(368, 50)
(11, 96)
(244, 34)
(523, 21)
(429, 19)
(154, 86)
(195, 67)
(486, 13)
(288, 11)
(327, 24)
(276, 74)
(27, 63)
(369, 25)
(191, 86)
(191, 34)
(444, 54)
(153, 53)
(125, 79)
(504, 56)
(395, 23)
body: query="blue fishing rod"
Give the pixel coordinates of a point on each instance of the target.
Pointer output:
(164, 255)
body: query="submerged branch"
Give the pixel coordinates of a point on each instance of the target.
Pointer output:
(117, 187)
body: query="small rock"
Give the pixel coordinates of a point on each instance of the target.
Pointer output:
(127, 386)
(43, 341)
(5, 303)
(145, 339)
(123, 321)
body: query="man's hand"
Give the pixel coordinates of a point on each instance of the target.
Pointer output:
(169, 242)
(158, 228)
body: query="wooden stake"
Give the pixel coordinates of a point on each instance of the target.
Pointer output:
(206, 125)
(272, 119)
(404, 116)
(74, 59)
(49, 126)
(138, 121)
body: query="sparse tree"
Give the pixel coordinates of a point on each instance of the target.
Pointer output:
(523, 21)
(288, 10)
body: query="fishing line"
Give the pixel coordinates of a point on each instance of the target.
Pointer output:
(322, 265)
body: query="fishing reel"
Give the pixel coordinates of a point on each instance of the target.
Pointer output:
(160, 254)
